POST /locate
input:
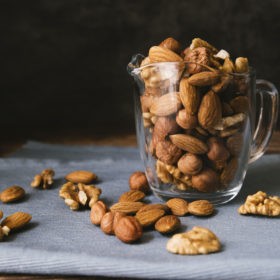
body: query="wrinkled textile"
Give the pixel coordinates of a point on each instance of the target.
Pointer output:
(61, 241)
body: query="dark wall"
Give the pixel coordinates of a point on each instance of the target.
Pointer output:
(63, 62)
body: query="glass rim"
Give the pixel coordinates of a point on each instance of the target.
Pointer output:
(137, 70)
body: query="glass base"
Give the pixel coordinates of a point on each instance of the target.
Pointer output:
(217, 198)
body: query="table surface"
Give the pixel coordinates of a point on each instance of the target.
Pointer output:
(8, 147)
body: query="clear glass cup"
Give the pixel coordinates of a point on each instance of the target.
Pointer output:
(197, 136)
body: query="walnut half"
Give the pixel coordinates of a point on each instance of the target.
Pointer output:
(261, 204)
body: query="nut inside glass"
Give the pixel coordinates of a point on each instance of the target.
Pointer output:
(197, 145)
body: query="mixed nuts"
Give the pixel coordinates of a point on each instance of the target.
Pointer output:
(194, 114)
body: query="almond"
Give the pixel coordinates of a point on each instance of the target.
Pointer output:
(128, 229)
(210, 110)
(240, 104)
(11, 194)
(189, 96)
(189, 143)
(81, 176)
(229, 172)
(98, 210)
(127, 207)
(154, 206)
(166, 105)
(167, 224)
(178, 206)
(15, 221)
(171, 44)
(131, 196)
(203, 79)
(201, 208)
(162, 54)
(148, 218)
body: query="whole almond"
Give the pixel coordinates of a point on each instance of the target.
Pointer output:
(167, 224)
(210, 110)
(178, 206)
(148, 218)
(98, 210)
(15, 221)
(107, 223)
(229, 172)
(189, 143)
(149, 207)
(166, 105)
(127, 207)
(162, 54)
(240, 104)
(12, 194)
(201, 208)
(171, 44)
(81, 176)
(132, 196)
(189, 96)
(203, 79)
(128, 229)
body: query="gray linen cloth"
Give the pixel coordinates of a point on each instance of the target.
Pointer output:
(61, 241)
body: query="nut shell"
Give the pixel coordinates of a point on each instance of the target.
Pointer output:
(178, 206)
(201, 208)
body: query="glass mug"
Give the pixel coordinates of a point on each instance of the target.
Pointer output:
(197, 136)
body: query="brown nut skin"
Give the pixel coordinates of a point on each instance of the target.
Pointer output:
(206, 181)
(167, 152)
(128, 229)
(171, 44)
(190, 164)
(98, 210)
(138, 182)
(186, 121)
(167, 224)
(12, 194)
(217, 150)
(107, 223)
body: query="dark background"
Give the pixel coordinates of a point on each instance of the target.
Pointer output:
(63, 62)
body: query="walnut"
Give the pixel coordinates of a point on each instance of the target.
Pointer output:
(44, 180)
(167, 152)
(261, 204)
(199, 55)
(170, 174)
(199, 240)
(81, 194)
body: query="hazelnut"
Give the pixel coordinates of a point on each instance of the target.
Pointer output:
(206, 181)
(163, 127)
(167, 152)
(97, 212)
(190, 164)
(117, 217)
(107, 223)
(128, 229)
(138, 182)
(217, 150)
(186, 121)
(171, 44)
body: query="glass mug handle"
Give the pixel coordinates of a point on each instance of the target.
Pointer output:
(268, 113)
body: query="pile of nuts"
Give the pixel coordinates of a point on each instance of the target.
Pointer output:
(130, 216)
(194, 113)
